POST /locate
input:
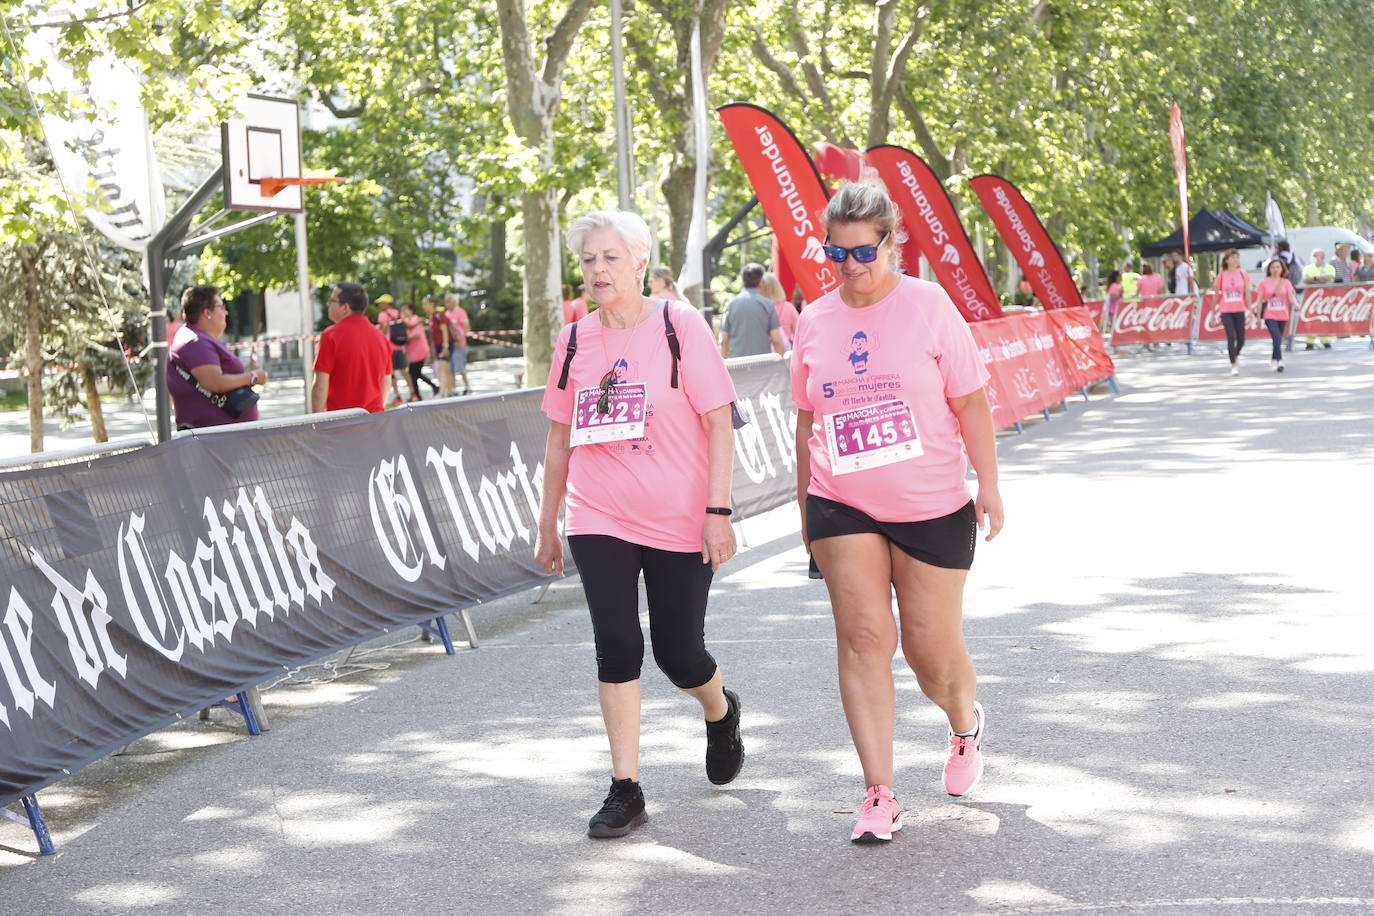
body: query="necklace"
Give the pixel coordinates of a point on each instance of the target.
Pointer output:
(610, 372)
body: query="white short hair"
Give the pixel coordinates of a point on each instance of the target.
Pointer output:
(633, 231)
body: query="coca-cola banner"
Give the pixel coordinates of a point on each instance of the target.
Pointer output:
(1037, 359)
(1154, 319)
(1030, 243)
(1336, 311)
(930, 220)
(789, 189)
(1211, 327)
(1096, 308)
(146, 585)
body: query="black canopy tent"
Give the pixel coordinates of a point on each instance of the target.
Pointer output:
(1209, 230)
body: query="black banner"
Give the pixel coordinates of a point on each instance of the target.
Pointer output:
(152, 583)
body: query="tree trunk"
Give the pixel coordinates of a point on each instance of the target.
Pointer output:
(543, 279)
(93, 405)
(678, 193)
(532, 97)
(33, 351)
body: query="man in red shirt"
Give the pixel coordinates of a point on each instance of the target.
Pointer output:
(354, 359)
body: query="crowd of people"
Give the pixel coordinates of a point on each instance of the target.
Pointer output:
(890, 393)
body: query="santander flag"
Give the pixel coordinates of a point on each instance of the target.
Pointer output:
(1180, 170)
(1032, 246)
(933, 225)
(789, 189)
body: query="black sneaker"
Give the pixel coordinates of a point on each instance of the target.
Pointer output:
(724, 748)
(621, 812)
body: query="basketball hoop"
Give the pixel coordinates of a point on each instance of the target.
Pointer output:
(273, 186)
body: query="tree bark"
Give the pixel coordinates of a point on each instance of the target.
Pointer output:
(33, 347)
(496, 251)
(532, 99)
(93, 405)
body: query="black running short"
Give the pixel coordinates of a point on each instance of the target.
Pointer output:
(947, 542)
(398, 360)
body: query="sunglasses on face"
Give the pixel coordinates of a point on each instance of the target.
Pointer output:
(864, 254)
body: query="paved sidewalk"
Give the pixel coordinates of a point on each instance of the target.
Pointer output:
(1174, 646)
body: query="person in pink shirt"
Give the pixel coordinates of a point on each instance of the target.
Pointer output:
(1115, 292)
(574, 309)
(787, 312)
(1232, 287)
(1275, 295)
(663, 286)
(416, 351)
(459, 326)
(1150, 283)
(385, 318)
(642, 446)
(889, 391)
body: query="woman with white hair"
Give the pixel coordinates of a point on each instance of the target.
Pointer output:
(641, 444)
(889, 391)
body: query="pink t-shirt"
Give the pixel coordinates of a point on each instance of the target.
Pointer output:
(649, 491)
(417, 348)
(1150, 285)
(911, 346)
(787, 321)
(1274, 297)
(574, 310)
(1231, 284)
(458, 317)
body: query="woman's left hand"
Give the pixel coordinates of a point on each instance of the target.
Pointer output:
(987, 508)
(717, 540)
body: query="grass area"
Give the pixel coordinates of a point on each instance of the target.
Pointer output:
(13, 400)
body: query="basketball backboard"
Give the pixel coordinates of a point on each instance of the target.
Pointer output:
(263, 142)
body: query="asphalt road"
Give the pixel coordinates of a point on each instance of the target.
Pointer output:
(1174, 643)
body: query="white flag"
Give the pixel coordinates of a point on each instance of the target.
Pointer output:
(1273, 217)
(693, 271)
(108, 147)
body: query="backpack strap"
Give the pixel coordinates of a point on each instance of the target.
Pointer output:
(567, 360)
(673, 346)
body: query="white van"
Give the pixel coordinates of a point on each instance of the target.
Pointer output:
(1302, 241)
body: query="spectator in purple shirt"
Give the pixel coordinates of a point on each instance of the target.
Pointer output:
(214, 371)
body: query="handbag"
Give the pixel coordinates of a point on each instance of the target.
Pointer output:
(235, 403)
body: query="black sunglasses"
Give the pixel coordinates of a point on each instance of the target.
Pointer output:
(864, 254)
(603, 403)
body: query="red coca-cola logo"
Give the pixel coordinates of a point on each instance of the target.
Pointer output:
(1352, 305)
(1149, 315)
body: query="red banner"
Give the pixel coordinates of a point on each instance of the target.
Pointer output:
(933, 225)
(1180, 171)
(1032, 246)
(1155, 319)
(1037, 359)
(838, 163)
(789, 189)
(1336, 311)
(1095, 308)
(1211, 327)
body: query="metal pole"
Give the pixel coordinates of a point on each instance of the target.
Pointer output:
(307, 305)
(624, 176)
(157, 292)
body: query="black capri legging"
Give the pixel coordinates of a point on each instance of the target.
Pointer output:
(676, 584)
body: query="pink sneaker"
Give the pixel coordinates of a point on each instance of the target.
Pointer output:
(964, 767)
(882, 817)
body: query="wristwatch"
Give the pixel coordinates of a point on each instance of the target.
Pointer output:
(719, 510)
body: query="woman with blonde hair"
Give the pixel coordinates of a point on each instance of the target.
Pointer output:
(663, 286)
(889, 388)
(787, 312)
(641, 447)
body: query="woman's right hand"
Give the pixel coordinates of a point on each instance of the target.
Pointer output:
(262, 376)
(548, 551)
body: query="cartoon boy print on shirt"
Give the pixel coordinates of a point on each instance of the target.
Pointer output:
(859, 347)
